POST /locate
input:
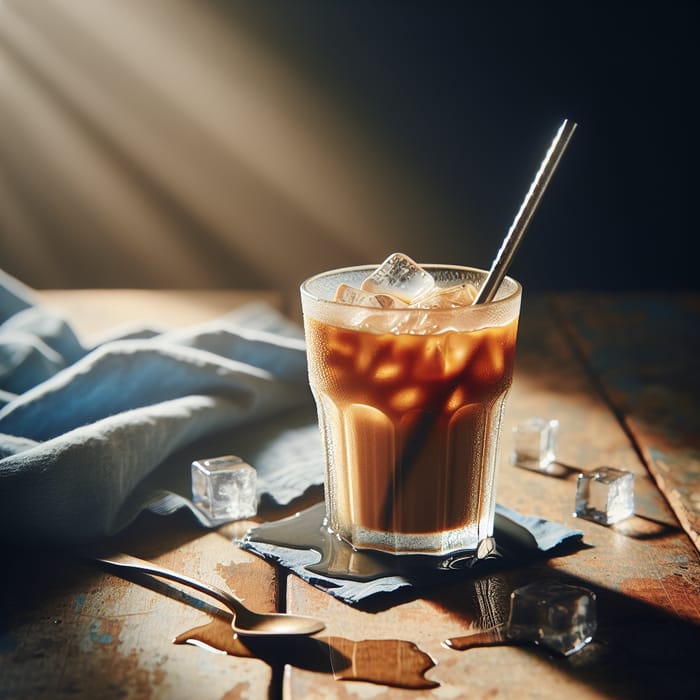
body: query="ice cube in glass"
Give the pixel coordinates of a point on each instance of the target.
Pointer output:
(224, 488)
(447, 297)
(346, 294)
(401, 277)
(556, 615)
(534, 443)
(605, 495)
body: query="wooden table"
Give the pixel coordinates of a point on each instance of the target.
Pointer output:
(618, 371)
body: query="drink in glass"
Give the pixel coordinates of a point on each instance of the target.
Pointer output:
(410, 382)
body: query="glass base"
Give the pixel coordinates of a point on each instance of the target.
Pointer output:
(340, 559)
(435, 544)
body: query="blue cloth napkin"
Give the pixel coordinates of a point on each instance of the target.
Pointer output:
(91, 436)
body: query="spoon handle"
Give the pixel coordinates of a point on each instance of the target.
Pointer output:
(126, 561)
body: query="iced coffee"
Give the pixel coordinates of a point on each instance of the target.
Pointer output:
(410, 381)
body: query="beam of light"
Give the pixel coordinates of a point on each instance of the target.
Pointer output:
(69, 181)
(157, 129)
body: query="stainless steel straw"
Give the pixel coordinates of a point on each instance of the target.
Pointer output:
(527, 209)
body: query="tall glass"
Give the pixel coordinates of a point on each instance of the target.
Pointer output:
(410, 405)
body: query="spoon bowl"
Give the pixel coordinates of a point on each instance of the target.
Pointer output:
(246, 622)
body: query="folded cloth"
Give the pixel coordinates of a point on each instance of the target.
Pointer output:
(354, 576)
(89, 437)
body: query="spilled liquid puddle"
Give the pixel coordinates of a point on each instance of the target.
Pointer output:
(494, 637)
(308, 530)
(391, 662)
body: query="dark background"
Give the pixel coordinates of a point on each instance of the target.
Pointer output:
(252, 143)
(471, 93)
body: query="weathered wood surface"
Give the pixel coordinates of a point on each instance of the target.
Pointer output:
(644, 351)
(645, 571)
(71, 630)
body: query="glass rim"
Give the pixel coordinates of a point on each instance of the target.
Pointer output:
(508, 298)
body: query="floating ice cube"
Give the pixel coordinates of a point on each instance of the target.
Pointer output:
(345, 294)
(447, 298)
(415, 322)
(556, 615)
(401, 277)
(534, 443)
(605, 495)
(223, 488)
(420, 322)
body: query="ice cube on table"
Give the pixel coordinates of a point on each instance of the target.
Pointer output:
(556, 615)
(534, 443)
(401, 277)
(224, 488)
(605, 495)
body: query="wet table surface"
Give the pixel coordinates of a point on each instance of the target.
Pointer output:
(620, 372)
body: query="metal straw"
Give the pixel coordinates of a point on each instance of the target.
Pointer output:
(527, 209)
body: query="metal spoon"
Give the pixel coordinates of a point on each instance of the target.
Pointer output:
(245, 622)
